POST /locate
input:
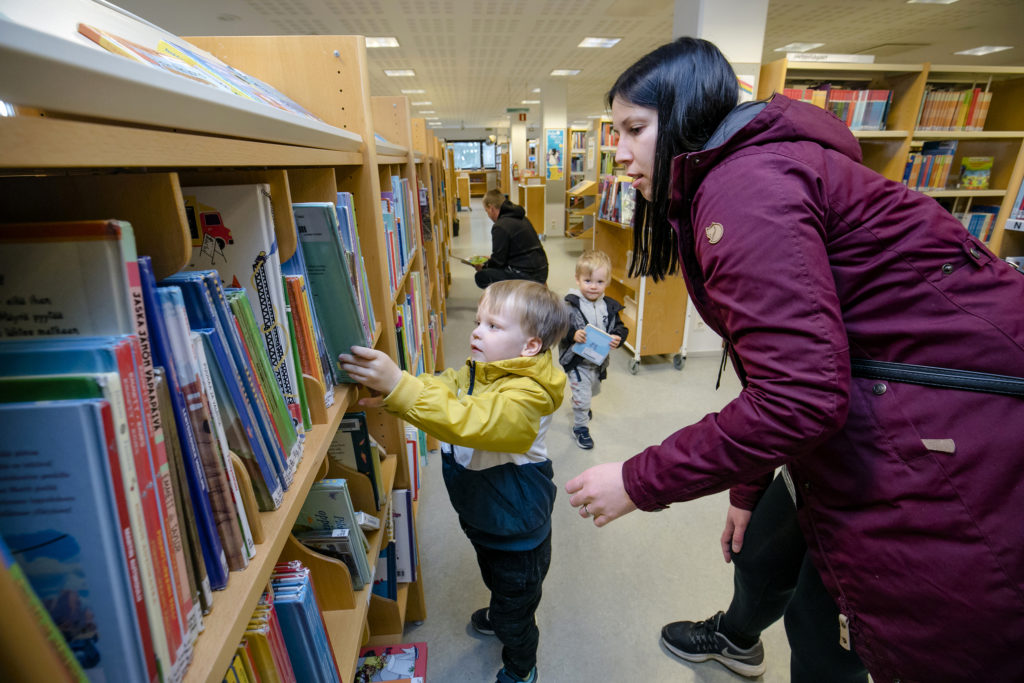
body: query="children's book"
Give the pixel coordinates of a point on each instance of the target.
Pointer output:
(70, 545)
(405, 535)
(330, 282)
(385, 577)
(336, 543)
(232, 229)
(329, 506)
(975, 173)
(302, 624)
(473, 260)
(351, 448)
(401, 663)
(295, 267)
(596, 347)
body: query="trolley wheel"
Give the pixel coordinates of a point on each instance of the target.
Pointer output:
(634, 366)
(678, 361)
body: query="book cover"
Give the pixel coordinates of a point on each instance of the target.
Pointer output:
(207, 496)
(71, 548)
(330, 282)
(596, 347)
(296, 267)
(232, 228)
(975, 172)
(329, 506)
(351, 447)
(385, 577)
(349, 233)
(335, 543)
(302, 624)
(405, 535)
(405, 662)
(28, 628)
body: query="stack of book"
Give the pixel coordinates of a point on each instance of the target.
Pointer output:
(617, 199)
(929, 168)
(399, 212)
(860, 109)
(181, 410)
(980, 221)
(954, 110)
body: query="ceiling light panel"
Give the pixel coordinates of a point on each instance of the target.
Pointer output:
(381, 41)
(598, 42)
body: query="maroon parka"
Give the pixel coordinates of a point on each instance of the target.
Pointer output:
(911, 498)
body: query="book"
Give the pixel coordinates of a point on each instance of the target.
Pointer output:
(473, 260)
(351, 447)
(302, 624)
(975, 172)
(214, 521)
(405, 535)
(330, 282)
(596, 347)
(405, 662)
(335, 543)
(349, 232)
(385, 577)
(73, 547)
(28, 628)
(232, 228)
(329, 506)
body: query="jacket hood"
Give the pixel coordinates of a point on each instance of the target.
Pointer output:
(541, 368)
(780, 120)
(510, 209)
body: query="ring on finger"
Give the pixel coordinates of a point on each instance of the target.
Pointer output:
(586, 510)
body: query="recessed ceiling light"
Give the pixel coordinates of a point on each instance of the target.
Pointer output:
(531, 101)
(381, 41)
(427, 111)
(421, 104)
(565, 72)
(535, 90)
(595, 116)
(598, 42)
(930, 2)
(413, 92)
(984, 50)
(798, 47)
(399, 72)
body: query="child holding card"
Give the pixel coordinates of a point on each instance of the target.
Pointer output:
(588, 305)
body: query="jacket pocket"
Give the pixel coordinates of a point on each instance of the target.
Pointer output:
(878, 422)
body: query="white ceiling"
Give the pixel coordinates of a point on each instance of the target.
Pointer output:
(474, 58)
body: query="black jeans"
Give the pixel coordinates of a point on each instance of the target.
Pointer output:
(514, 578)
(774, 577)
(486, 276)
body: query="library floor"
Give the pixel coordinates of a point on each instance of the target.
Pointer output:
(609, 590)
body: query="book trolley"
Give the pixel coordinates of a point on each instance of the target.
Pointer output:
(128, 153)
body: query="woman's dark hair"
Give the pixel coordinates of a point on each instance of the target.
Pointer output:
(692, 87)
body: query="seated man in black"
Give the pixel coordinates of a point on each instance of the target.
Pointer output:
(516, 251)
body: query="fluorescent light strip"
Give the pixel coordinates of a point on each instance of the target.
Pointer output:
(381, 41)
(598, 42)
(396, 73)
(984, 50)
(413, 92)
(798, 47)
(424, 103)
(565, 72)
(531, 102)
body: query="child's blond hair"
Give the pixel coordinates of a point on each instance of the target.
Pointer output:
(591, 260)
(538, 310)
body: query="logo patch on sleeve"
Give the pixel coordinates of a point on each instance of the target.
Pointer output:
(714, 233)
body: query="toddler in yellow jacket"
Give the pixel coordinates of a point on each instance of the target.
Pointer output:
(492, 415)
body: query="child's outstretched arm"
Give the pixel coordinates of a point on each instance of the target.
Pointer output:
(371, 368)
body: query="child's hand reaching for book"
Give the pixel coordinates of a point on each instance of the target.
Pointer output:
(373, 369)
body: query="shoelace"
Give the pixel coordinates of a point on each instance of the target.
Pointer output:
(704, 634)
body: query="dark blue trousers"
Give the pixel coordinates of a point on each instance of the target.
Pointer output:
(514, 578)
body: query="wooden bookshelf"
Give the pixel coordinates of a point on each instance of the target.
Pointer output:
(87, 160)
(581, 209)
(887, 151)
(532, 199)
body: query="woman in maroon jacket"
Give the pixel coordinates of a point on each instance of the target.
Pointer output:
(832, 285)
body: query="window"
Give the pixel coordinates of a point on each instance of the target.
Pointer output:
(472, 154)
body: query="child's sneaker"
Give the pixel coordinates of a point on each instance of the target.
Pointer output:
(582, 436)
(506, 676)
(481, 622)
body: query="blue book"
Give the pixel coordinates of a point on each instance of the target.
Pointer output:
(349, 232)
(302, 626)
(204, 312)
(596, 347)
(214, 559)
(69, 544)
(330, 283)
(385, 577)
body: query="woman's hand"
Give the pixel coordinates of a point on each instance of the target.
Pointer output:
(736, 521)
(580, 336)
(372, 369)
(600, 493)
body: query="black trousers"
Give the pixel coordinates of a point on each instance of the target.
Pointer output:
(514, 578)
(773, 577)
(486, 276)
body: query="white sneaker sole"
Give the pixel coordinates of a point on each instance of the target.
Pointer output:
(749, 670)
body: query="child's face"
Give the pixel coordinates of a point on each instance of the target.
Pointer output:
(498, 336)
(593, 285)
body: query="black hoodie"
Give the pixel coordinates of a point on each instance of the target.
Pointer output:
(515, 245)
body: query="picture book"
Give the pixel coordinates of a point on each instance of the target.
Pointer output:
(28, 627)
(349, 232)
(975, 173)
(208, 502)
(351, 448)
(405, 662)
(232, 228)
(329, 506)
(385, 577)
(330, 282)
(596, 347)
(336, 543)
(474, 261)
(70, 547)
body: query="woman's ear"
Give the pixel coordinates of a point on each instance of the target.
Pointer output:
(532, 347)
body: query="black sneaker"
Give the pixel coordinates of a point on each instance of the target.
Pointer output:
(699, 641)
(582, 436)
(481, 622)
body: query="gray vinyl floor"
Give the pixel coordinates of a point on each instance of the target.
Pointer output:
(609, 590)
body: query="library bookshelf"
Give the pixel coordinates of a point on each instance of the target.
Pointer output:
(887, 151)
(580, 209)
(75, 156)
